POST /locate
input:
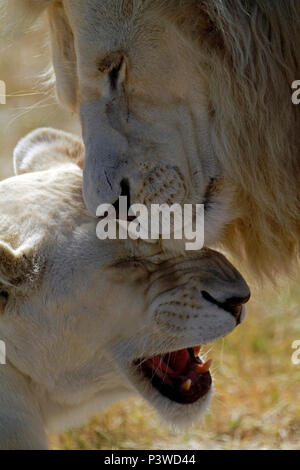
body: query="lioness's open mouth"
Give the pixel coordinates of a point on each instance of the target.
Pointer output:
(181, 375)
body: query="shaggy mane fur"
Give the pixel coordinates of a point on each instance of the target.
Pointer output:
(251, 56)
(257, 126)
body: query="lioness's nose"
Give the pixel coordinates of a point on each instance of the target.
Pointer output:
(233, 305)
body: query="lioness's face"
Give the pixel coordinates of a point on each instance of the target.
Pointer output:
(184, 305)
(143, 101)
(109, 316)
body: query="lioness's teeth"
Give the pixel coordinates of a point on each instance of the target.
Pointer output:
(197, 350)
(186, 385)
(203, 368)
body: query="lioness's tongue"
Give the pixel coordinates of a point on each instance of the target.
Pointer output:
(177, 360)
(172, 363)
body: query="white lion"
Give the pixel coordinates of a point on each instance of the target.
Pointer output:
(198, 92)
(86, 322)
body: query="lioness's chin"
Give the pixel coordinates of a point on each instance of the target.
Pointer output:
(178, 385)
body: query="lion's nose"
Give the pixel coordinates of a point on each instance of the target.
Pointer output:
(124, 192)
(234, 305)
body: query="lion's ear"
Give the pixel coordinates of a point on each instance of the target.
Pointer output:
(47, 148)
(64, 56)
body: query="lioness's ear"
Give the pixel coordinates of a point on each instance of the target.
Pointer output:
(14, 267)
(47, 148)
(64, 56)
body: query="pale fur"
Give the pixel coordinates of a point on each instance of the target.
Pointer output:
(244, 56)
(80, 311)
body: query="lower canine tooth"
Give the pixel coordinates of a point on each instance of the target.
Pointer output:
(186, 385)
(203, 368)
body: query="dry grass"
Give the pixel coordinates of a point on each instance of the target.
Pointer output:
(257, 402)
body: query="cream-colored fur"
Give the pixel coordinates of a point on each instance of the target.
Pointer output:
(76, 311)
(204, 88)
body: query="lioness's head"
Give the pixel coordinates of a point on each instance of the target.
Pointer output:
(81, 316)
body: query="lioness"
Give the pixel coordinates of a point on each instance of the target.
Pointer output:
(87, 322)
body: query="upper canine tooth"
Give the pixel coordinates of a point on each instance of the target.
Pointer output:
(186, 385)
(203, 368)
(197, 350)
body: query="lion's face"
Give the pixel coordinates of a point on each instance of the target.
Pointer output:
(107, 317)
(143, 102)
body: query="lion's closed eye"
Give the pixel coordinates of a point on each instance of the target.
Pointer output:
(112, 65)
(111, 62)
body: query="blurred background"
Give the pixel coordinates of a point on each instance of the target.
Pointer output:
(257, 398)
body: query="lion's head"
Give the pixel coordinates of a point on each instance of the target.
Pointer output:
(187, 102)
